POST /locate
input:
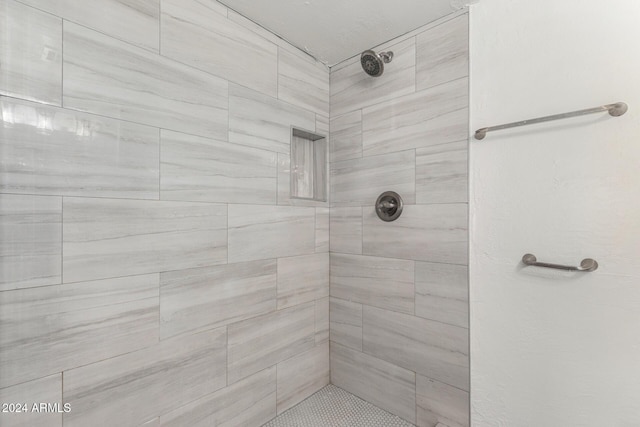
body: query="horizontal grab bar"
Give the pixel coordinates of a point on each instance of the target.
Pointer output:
(586, 264)
(615, 110)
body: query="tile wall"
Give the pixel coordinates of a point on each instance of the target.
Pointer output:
(399, 291)
(153, 269)
(151, 258)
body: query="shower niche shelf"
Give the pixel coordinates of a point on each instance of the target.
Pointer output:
(308, 165)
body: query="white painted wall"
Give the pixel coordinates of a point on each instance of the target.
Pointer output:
(551, 348)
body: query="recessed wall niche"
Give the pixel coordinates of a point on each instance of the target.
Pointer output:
(308, 165)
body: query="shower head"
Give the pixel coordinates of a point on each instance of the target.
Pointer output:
(373, 63)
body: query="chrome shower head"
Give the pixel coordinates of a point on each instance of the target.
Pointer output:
(373, 63)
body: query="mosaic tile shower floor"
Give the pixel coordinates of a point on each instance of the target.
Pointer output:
(334, 407)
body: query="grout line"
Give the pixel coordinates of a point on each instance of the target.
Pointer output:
(61, 241)
(227, 263)
(276, 366)
(330, 148)
(159, 163)
(415, 63)
(361, 231)
(361, 123)
(229, 111)
(227, 357)
(156, 200)
(415, 265)
(315, 229)
(415, 175)
(469, 219)
(160, 27)
(362, 328)
(62, 65)
(62, 393)
(159, 278)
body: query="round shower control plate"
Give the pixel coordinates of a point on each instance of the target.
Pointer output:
(389, 206)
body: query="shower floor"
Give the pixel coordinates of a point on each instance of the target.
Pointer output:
(334, 407)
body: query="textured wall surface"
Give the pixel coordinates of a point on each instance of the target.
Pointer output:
(399, 290)
(151, 259)
(553, 348)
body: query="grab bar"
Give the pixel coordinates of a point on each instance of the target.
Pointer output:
(615, 110)
(586, 264)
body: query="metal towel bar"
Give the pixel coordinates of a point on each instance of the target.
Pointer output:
(615, 110)
(586, 264)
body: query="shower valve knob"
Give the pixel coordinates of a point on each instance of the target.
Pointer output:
(389, 206)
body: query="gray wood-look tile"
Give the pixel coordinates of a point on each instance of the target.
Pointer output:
(267, 35)
(134, 21)
(302, 279)
(442, 173)
(424, 346)
(263, 232)
(440, 403)
(303, 82)
(345, 230)
(255, 28)
(322, 125)
(30, 54)
(434, 116)
(302, 375)
(436, 233)
(322, 229)
(50, 329)
(30, 241)
(262, 121)
(106, 76)
(352, 89)
(210, 297)
(346, 323)
(263, 341)
(442, 293)
(201, 169)
(284, 185)
(42, 390)
(322, 129)
(380, 282)
(54, 151)
(249, 403)
(135, 387)
(224, 48)
(322, 320)
(117, 237)
(443, 53)
(346, 136)
(155, 422)
(382, 383)
(359, 182)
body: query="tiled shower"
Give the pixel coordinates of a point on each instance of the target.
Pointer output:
(154, 269)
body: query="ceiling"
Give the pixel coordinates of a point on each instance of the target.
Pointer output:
(334, 30)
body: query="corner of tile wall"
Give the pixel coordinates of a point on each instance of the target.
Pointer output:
(403, 347)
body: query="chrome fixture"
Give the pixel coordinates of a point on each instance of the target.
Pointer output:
(373, 63)
(389, 206)
(615, 110)
(586, 264)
